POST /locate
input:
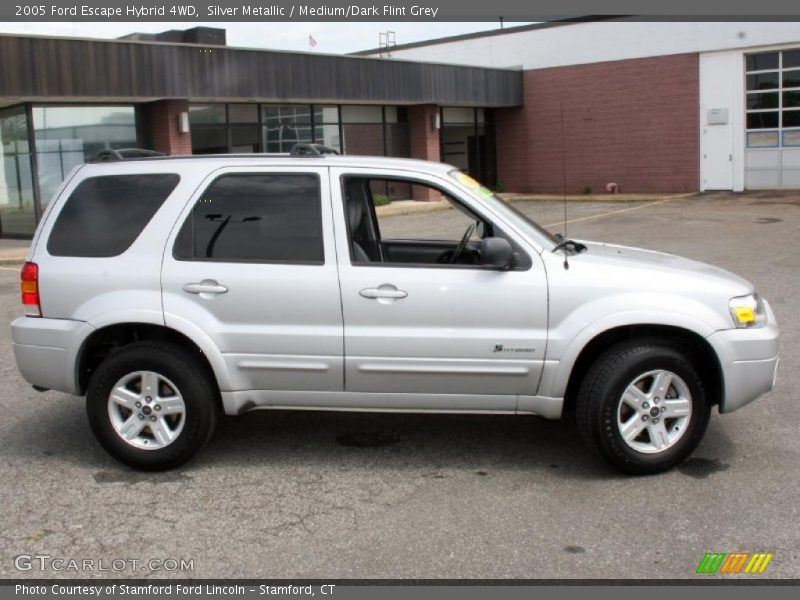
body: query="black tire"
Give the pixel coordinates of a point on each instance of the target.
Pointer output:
(196, 386)
(600, 395)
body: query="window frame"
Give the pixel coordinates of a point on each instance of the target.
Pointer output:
(197, 198)
(411, 180)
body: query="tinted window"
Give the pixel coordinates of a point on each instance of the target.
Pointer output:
(791, 79)
(791, 99)
(762, 62)
(791, 118)
(765, 120)
(759, 101)
(762, 81)
(259, 218)
(791, 59)
(104, 215)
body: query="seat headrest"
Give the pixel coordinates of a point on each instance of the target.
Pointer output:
(355, 209)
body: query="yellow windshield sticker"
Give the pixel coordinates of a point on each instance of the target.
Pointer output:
(472, 184)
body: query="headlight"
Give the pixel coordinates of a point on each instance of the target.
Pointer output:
(747, 311)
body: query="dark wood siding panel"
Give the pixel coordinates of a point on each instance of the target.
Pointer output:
(53, 68)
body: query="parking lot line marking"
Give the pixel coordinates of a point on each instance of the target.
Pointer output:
(10, 268)
(612, 212)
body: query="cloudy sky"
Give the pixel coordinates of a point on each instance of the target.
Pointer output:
(336, 38)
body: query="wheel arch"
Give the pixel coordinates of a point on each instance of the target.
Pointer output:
(102, 342)
(697, 347)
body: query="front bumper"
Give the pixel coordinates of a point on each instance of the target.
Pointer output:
(749, 360)
(46, 351)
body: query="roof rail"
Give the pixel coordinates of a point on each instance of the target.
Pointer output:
(307, 150)
(115, 154)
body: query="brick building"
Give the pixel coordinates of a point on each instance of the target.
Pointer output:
(64, 100)
(650, 107)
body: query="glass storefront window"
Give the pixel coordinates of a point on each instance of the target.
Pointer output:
(17, 212)
(244, 139)
(326, 127)
(283, 126)
(362, 114)
(328, 135)
(393, 114)
(352, 129)
(467, 142)
(326, 114)
(67, 136)
(209, 140)
(213, 114)
(243, 113)
(455, 115)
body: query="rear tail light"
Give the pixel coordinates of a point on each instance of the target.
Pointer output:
(29, 286)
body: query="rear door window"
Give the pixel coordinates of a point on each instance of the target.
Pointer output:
(104, 215)
(256, 217)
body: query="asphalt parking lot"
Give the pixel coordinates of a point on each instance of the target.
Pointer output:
(331, 495)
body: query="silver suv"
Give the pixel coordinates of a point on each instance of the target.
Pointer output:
(171, 290)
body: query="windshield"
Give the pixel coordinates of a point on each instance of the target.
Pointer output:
(517, 218)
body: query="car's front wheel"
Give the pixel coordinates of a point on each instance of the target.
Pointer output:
(643, 405)
(151, 405)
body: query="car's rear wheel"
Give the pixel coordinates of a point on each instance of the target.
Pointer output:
(152, 405)
(643, 405)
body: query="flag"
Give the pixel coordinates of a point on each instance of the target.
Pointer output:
(311, 42)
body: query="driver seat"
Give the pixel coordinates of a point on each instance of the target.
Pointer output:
(357, 222)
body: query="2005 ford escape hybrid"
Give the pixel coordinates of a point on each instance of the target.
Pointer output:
(169, 290)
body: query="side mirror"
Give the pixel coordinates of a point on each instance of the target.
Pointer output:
(497, 253)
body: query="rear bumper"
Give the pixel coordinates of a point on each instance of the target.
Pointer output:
(46, 351)
(749, 360)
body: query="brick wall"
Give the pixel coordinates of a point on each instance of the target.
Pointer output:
(630, 122)
(163, 123)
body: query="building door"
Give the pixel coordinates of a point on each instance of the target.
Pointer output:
(720, 112)
(717, 150)
(468, 142)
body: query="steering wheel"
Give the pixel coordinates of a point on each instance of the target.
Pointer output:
(463, 243)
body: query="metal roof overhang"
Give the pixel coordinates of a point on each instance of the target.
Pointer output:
(50, 69)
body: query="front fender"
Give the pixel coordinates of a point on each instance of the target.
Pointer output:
(571, 333)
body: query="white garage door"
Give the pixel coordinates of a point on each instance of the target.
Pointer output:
(772, 101)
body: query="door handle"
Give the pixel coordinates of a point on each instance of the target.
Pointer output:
(207, 286)
(384, 291)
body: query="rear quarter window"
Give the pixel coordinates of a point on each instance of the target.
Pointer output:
(104, 215)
